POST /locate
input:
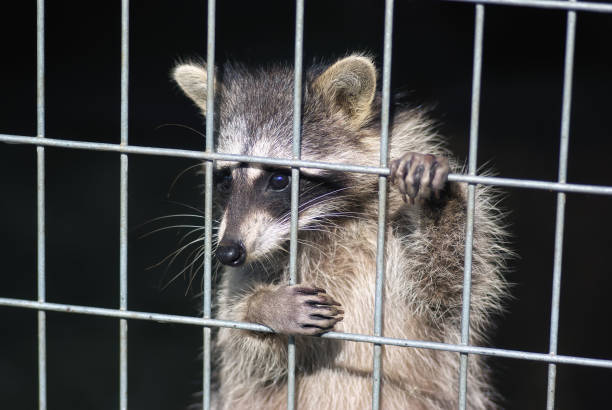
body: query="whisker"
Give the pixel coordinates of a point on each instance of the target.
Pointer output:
(165, 228)
(324, 195)
(179, 176)
(175, 254)
(201, 228)
(199, 252)
(316, 201)
(193, 208)
(192, 274)
(180, 126)
(159, 218)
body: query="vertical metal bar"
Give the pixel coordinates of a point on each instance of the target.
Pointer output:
(382, 203)
(123, 208)
(469, 228)
(295, 186)
(560, 218)
(40, 189)
(208, 185)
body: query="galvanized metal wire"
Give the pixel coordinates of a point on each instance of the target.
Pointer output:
(547, 4)
(561, 187)
(201, 155)
(353, 337)
(208, 201)
(295, 187)
(382, 204)
(40, 199)
(471, 200)
(568, 72)
(123, 211)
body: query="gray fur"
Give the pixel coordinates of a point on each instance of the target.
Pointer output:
(338, 226)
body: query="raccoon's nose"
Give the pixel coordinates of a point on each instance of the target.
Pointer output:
(231, 253)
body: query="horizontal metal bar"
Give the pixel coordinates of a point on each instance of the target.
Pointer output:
(171, 152)
(547, 4)
(533, 184)
(181, 153)
(198, 321)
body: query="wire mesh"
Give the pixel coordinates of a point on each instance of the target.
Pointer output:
(206, 321)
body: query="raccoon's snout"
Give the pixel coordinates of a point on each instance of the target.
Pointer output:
(231, 253)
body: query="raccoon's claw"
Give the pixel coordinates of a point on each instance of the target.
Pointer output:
(304, 310)
(418, 176)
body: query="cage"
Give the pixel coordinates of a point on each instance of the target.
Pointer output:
(509, 76)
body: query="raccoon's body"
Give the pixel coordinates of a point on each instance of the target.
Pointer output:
(337, 249)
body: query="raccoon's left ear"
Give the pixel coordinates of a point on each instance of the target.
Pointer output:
(192, 79)
(349, 86)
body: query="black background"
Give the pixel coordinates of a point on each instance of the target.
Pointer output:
(432, 61)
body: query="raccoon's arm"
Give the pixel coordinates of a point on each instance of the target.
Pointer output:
(432, 226)
(292, 310)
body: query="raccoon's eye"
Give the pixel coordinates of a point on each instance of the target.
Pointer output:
(279, 181)
(224, 183)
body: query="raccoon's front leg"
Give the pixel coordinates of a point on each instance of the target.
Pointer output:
(418, 176)
(294, 309)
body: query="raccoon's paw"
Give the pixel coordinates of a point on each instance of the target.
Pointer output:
(419, 176)
(303, 310)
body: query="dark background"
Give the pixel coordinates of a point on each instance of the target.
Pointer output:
(432, 61)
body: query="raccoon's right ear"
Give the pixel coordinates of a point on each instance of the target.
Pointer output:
(192, 79)
(349, 86)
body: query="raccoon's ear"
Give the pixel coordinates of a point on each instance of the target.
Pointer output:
(192, 79)
(349, 86)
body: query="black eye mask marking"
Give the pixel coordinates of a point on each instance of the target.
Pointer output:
(223, 182)
(271, 189)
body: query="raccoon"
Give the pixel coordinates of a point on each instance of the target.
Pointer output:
(337, 234)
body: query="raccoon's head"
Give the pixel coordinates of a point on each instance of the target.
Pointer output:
(254, 112)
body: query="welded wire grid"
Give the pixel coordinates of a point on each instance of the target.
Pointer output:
(207, 322)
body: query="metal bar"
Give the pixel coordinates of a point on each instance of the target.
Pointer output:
(382, 204)
(560, 217)
(532, 184)
(547, 4)
(469, 225)
(179, 153)
(40, 193)
(123, 211)
(469, 231)
(199, 321)
(295, 186)
(208, 189)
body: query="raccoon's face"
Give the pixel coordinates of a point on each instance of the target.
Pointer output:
(254, 116)
(255, 203)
